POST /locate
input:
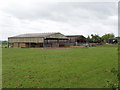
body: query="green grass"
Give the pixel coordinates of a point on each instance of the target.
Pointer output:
(52, 68)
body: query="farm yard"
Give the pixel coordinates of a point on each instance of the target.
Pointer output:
(88, 67)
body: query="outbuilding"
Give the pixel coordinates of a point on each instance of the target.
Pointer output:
(37, 40)
(76, 40)
(114, 40)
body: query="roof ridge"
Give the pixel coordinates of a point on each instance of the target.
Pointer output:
(41, 33)
(36, 34)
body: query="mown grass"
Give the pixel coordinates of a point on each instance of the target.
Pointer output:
(53, 68)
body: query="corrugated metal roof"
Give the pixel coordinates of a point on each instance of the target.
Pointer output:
(34, 35)
(74, 36)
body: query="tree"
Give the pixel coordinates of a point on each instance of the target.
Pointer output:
(107, 36)
(88, 39)
(95, 38)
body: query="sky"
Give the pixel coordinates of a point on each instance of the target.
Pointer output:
(69, 18)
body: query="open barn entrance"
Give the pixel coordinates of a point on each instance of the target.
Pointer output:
(55, 42)
(34, 45)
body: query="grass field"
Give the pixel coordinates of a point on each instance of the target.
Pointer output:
(59, 68)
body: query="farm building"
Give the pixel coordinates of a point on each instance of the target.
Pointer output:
(37, 40)
(113, 40)
(76, 40)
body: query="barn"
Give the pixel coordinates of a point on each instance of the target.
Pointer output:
(76, 40)
(37, 40)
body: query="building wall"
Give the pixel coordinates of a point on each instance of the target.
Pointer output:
(15, 45)
(29, 40)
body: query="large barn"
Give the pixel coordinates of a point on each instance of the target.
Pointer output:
(37, 40)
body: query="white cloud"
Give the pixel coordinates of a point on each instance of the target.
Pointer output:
(67, 18)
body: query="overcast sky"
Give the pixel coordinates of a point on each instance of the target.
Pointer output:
(69, 18)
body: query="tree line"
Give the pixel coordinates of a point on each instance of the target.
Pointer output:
(94, 38)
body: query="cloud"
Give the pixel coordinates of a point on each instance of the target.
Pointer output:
(66, 17)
